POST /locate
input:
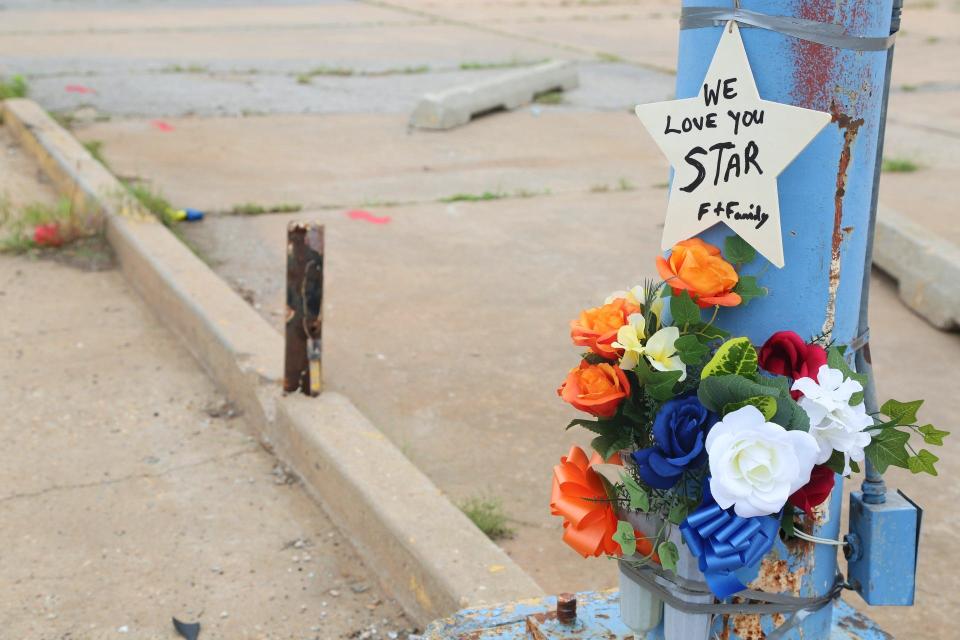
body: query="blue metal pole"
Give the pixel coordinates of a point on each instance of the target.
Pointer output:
(825, 203)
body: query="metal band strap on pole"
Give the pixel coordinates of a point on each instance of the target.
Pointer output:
(831, 35)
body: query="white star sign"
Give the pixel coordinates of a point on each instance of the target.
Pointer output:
(727, 147)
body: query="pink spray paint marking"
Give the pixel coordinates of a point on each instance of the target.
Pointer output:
(79, 88)
(160, 125)
(360, 214)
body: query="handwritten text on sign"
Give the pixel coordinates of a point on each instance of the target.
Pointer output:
(726, 160)
(727, 147)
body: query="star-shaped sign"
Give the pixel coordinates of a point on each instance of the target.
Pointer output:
(727, 147)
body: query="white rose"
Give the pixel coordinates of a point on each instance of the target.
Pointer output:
(833, 422)
(755, 465)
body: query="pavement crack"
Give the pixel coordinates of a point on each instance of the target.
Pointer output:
(127, 478)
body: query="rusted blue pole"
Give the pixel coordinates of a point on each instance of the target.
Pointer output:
(825, 203)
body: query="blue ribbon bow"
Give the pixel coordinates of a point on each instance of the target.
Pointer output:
(723, 542)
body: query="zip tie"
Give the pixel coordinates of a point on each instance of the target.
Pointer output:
(825, 33)
(818, 540)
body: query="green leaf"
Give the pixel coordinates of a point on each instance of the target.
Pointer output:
(923, 462)
(766, 404)
(668, 555)
(690, 349)
(659, 384)
(626, 538)
(609, 443)
(786, 521)
(932, 435)
(596, 426)
(716, 392)
(735, 356)
(683, 309)
(708, 332)
(835, 463)
(835, 360)
(888, 447)
(678, 512)
(748, 289)
(738, 250)
(593, 358)
(639, 499)
(631, 411)
(902, 412)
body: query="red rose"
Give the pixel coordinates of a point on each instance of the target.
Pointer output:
(786, 354)
(814, 492)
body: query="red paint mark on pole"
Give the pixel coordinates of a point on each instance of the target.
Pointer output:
(360, 214)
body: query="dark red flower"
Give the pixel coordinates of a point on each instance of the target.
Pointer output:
(47, 235)
(786, 354)
(814, 492)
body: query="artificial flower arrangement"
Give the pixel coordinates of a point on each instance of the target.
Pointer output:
(707, 432)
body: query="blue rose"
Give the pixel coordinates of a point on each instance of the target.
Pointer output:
(679, 430)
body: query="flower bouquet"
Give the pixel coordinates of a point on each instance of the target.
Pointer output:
(707, 446)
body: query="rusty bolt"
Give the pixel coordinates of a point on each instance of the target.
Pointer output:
(566, 608)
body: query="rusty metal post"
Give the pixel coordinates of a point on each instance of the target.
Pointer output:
(302, 362)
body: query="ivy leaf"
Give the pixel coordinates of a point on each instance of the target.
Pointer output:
(738, 250)
(683, 309)
(678, 512)
(835, 463)
(766, 404)
(639, 499)
(889, 447)
(690, 349)
(902, 412)
(626, 538)
(748, 289)
(923, 462)
(659, 384)
(668, 555)
(932, 435)
(735, 356)
(835, 360)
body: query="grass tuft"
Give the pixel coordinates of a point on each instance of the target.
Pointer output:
(498, 64)
(95, 147)
(475, 197)
(488, 516)
(15, 87)
(254, 209)
(899, 165)
(550, 97)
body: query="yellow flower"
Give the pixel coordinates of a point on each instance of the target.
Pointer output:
(630, 338)
(662, 353)
(634, 296)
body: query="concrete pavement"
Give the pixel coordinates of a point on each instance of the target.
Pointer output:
(132, 492)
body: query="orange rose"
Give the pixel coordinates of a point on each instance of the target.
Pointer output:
(589, 519)
(595, 388)
(697, 267)
(597, 328)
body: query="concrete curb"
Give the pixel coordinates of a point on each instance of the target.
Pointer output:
(927, 269)
(456, 106)
(428, 555)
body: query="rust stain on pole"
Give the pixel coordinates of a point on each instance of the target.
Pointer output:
(850, 128)
(304, 318)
